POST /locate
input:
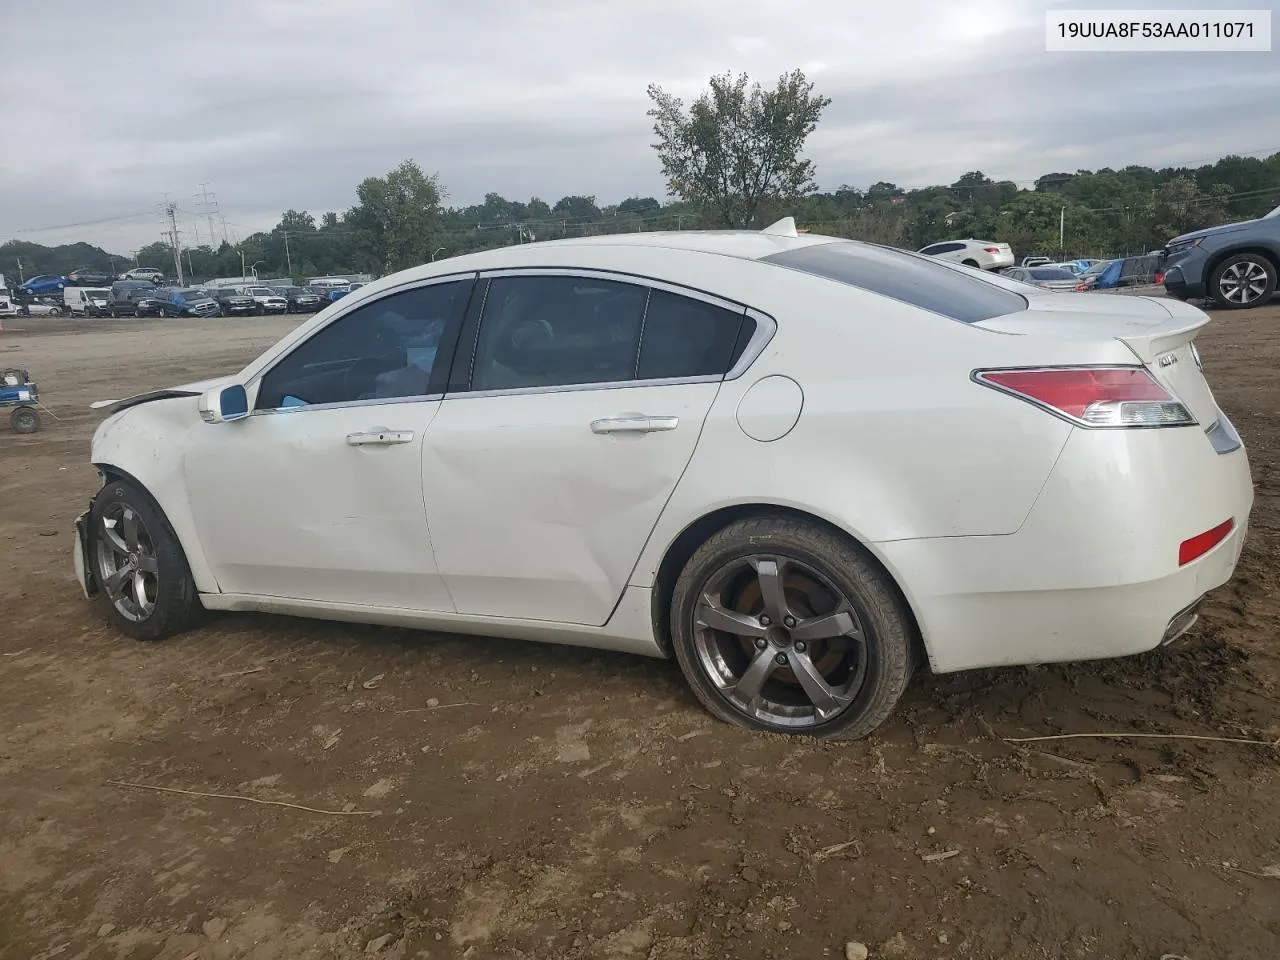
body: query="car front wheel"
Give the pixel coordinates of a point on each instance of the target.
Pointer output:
(781, 625)
(1244, 280)
(144, 582)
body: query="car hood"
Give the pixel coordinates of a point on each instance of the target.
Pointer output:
(1210, 231)
(193, 389)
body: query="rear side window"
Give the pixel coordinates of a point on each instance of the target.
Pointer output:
(905, 277)
(683, 337)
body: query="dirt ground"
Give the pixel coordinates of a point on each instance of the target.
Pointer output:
(509, 800)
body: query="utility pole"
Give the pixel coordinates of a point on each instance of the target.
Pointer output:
(171, 211)
(287, 257)
(21, 279)
(1062, 230)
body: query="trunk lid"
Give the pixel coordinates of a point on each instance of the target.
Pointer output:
(1159, 332)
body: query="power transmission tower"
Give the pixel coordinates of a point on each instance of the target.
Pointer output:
(171, 211)
(209, 206)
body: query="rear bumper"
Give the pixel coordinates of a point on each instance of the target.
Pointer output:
(1093, 573)
(80, 557)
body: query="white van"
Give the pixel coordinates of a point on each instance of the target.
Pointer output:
(86, 301)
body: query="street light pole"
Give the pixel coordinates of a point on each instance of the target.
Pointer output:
(434, 252)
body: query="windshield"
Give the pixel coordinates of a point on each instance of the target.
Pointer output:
(1097, 268)
(260, 292)
(194, 294)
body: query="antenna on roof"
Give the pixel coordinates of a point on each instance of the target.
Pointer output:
(786, 227)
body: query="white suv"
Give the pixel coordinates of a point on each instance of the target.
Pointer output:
(268, 300)
(984, 254)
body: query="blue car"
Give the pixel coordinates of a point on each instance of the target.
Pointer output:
(44, 286)
(190, 303)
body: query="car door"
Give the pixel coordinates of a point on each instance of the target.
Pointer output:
(574, 406)
(318, 494)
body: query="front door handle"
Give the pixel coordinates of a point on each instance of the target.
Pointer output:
(634, 423)
(379, 436)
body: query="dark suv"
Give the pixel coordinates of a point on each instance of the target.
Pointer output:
(134, 298)
(1235, 264)
(301, 300)
(232, 304)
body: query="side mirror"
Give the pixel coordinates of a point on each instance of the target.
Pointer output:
(224, 404)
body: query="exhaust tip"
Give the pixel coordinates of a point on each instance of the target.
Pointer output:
(1182, 621)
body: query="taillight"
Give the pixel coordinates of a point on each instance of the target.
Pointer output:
(1202, 543)
(1081, 287)
(1093, 396)
(1159, 278)
(991, 250)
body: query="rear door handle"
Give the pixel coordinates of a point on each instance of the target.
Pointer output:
(379, 436)
(637, 423)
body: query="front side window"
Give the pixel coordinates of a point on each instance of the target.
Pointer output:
(557, 331)
(379, 351)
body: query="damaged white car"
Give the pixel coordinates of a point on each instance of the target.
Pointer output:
(797, 464)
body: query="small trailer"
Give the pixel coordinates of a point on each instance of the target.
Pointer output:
(20, 395)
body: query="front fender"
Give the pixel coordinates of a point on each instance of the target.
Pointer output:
(144, 445)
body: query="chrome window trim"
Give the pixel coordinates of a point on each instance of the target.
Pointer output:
(765, 328)
(345, 404)
(255, 381)
(349, 309)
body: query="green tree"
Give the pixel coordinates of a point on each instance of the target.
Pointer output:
(397, 218)
(738, 144)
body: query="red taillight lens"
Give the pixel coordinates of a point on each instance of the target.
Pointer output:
(1202, 543)
(1081, 287)
(991, 250)
(1094, 396)
(1159, 278)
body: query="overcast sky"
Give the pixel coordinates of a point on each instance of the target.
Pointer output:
(289, 103)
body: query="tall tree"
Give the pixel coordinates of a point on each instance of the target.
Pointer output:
(738, 144)
(397, 217)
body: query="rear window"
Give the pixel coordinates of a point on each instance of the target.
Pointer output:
(909, 278)
(1051, 273)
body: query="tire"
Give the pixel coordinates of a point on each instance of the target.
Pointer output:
(115, 314)
(24, 420)
(164, 314)
(1250, 276)
(259, 309)
(169, 602)
(866, 666)
(55, 311)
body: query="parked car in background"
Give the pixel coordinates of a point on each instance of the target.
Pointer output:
(1069, 265)
(147, 303)
(90, 277)
(1050, 479)
(44, 286)
(150, 274)
(1056, 278)
(86, 301)
(120, 302)
(1035, 261)
(191, 302)
(1235, 265)
(232, 303)
(1093, 275)
(984, 254)
(266, 300)
(300, 299)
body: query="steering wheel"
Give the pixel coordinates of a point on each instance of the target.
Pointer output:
(524, 337)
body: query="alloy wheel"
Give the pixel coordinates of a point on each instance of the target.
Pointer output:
(127, 565)
(780, 641)
(1243, 282)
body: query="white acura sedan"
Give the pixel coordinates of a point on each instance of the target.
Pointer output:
(797, 464)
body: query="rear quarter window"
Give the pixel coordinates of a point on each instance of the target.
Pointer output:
(905, 277)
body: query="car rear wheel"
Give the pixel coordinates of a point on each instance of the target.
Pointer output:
(1245, 280)
(782, 625)
(144, 582)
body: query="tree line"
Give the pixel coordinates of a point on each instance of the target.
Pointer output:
(734, 157)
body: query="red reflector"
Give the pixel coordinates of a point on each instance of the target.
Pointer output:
(1072, 391)
(1202, 543)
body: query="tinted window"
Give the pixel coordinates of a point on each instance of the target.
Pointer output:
(1051, 273)
(557, 331)
(902, 276)
(684, 337)
(379, 351)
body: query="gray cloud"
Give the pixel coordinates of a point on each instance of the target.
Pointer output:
(289, 103)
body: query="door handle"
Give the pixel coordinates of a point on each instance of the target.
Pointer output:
(637, 423)
(379, 436)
